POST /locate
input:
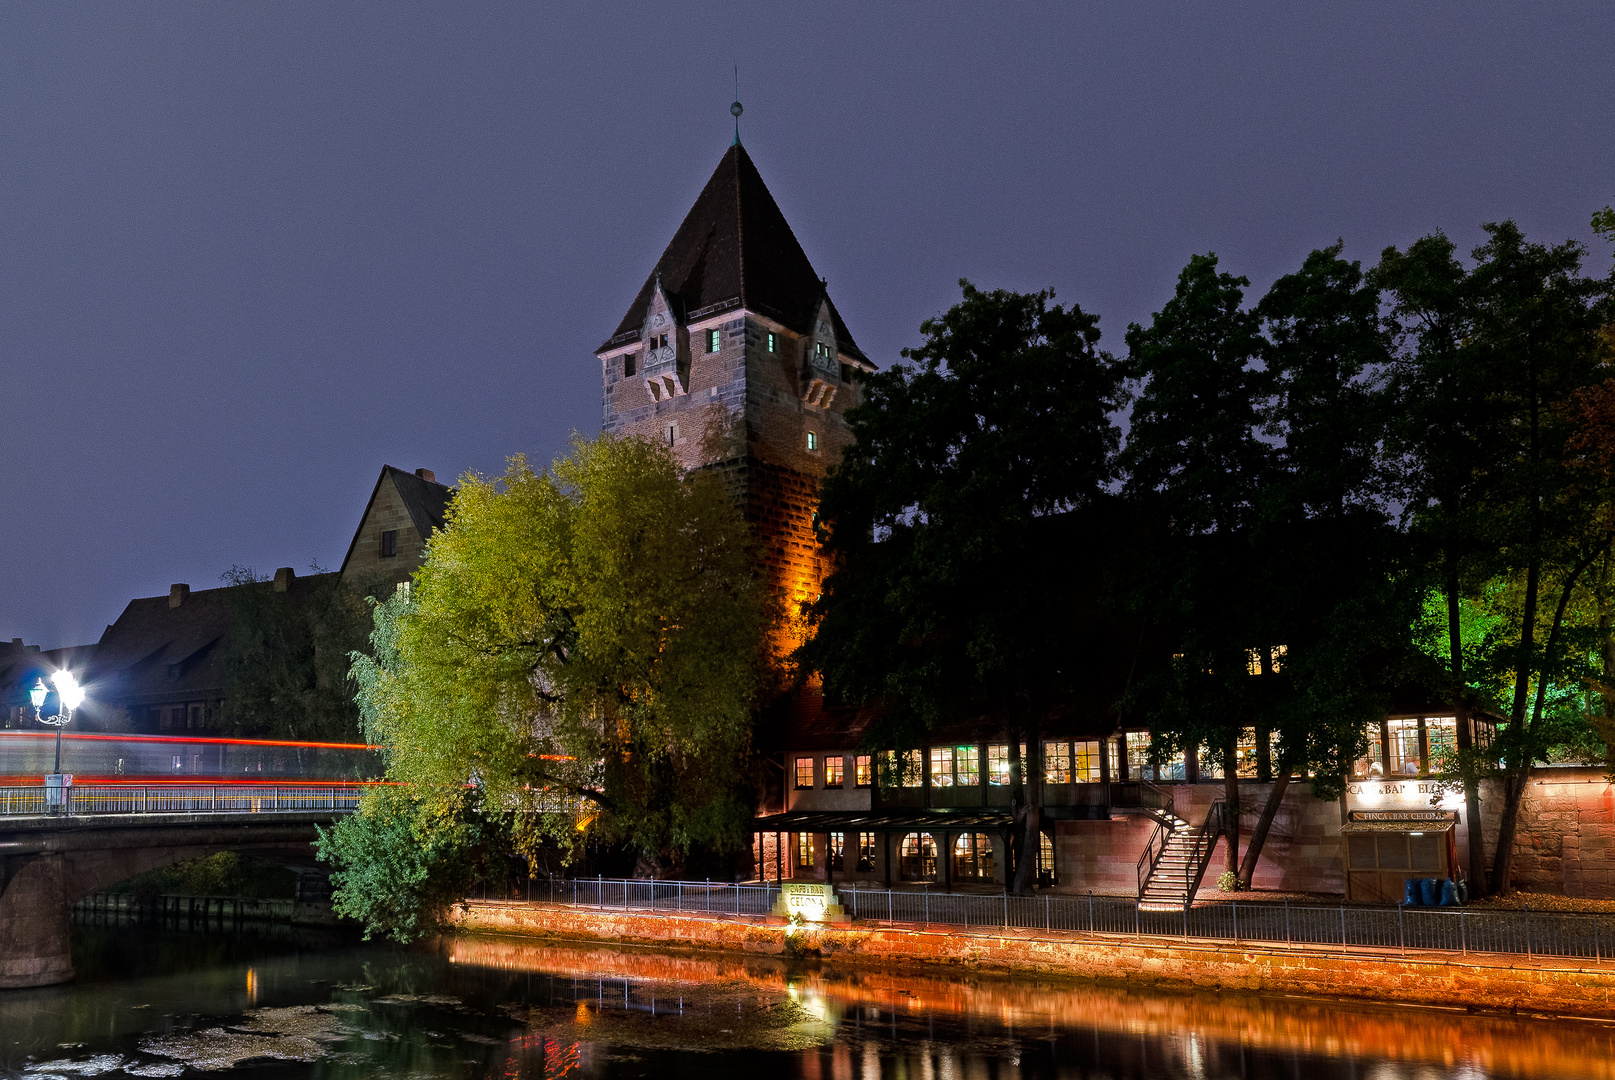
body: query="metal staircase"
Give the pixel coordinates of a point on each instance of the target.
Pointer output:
(1174, 861)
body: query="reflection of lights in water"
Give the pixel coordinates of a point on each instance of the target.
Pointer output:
(252, 986)
(584, 1017)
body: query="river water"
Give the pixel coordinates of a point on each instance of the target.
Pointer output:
(283, 1005)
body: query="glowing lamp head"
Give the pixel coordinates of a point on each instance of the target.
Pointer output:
(71, 692)
(37, 694)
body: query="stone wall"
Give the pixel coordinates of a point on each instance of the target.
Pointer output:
(1438, 979)
(385, 514)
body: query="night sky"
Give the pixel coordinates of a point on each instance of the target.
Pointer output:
(251, 252)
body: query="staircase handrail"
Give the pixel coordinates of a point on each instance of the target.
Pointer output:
(1152, 855)
(1145, 796)
(1205, 842)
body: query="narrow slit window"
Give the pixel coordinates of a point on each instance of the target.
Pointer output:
(813, 440)
(713, 339)
(773, 342)
(389, 543)
(628, 360)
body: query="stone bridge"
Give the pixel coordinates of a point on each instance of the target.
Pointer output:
(47, 864)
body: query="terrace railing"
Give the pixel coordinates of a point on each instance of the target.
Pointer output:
(1568, 935)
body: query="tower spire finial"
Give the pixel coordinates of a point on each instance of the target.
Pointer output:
(735, 108)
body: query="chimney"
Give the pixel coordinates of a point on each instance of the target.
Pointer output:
(30, 648)
(283, 578)
(177, 594)
(427, 474)
(16, 643)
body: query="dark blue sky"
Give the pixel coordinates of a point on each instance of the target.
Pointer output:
(250, 253)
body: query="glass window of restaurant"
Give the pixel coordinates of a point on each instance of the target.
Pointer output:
(804, 849)
(1056, 763)
(966, 766)
(1249, 767)
(804, 772)
(973, 857)
(998, 765)
(941, 766)
(838, 847)
(863, 771)
(917, 858)
(1372, 763)
(866, 851)
(833, 765)
(901, 770)
(1087, 758)
(1210, 763)
(1138, 756)
(1441, 737)
(1403, 755)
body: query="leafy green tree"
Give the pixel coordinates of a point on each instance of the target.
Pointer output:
(583, 646)
(1193, 459)
(1500, 352)
(402, 864)
(943, 522)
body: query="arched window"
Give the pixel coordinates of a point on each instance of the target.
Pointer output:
(1045, 860)
(918, 861)
(973, 857)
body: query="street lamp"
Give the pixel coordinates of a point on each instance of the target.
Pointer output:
(70, 695)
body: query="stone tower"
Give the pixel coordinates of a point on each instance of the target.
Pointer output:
(733, 354)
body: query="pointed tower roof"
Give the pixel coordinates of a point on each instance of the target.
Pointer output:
(735, 250)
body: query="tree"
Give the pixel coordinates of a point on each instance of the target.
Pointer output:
(583, 647)
(1498, 355)
(940, 519)
(1193, 457)
(286, 658)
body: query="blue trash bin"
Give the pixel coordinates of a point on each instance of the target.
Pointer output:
(1430, 891)
(1449, 893)
(1412, 895)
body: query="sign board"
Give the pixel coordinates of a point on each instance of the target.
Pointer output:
(1409, 794)
(809, 901)
(1405, 815)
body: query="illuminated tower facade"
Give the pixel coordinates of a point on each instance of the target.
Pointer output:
(735, 357)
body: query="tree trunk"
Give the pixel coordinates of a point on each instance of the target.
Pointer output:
(1455, 644)
(1230, 787)
(1519, 771)
(1270, 809)
(1030, 814)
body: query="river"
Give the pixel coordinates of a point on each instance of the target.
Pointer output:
(282, 1005)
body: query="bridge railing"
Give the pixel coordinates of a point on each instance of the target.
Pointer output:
(91, 800)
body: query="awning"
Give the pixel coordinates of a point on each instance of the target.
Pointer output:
(817, 821)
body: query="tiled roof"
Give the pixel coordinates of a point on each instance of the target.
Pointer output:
(735, 249)
(156, 653)
(426, 500)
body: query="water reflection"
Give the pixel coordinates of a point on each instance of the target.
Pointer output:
(169, 1004)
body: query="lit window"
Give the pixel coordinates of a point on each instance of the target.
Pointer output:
(1088, 762)
(1441, 736)
(804, 773)
(804, 849)
(1281, 653)
(1056, 763)
(973, 856)
(918, 857)
(1248, 760)
(1404, 748)
(942, 766)
(389, 543)
(998, 765)
(832, 770)
(902, 770)
(838, 847)
(862, 771)
(866, 851)
(966, 766)
(773, 343)
(712, 340)
(813, 440)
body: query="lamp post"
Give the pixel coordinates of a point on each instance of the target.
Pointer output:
(70, 695)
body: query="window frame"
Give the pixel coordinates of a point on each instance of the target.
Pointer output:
(863, 771)
(389, 544)
(800, 762)
(714, 340)
(835, 770)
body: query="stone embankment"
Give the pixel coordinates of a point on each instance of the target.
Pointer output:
(1450, 980)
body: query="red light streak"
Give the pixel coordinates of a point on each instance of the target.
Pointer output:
(174, 740)
(126, 780)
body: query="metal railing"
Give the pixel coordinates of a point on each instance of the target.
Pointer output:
(1151, 858)
(1143, 795)
(1571, 935)
(91, 800)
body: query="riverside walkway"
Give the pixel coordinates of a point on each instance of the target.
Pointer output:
(1347, 928)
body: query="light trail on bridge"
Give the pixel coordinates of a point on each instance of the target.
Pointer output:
(109, 757)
